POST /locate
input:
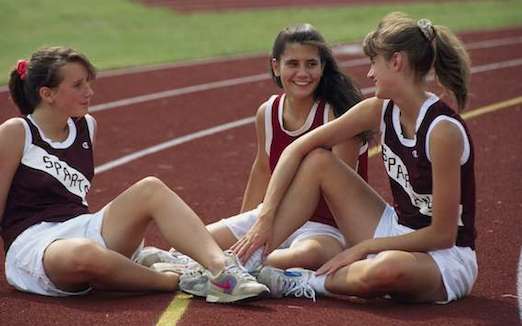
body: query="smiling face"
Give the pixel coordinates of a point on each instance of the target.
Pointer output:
(72, 96)
(299, 69)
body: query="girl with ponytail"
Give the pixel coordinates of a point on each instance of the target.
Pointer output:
(421, 249)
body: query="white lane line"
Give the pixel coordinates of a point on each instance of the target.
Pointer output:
(238, 123)
(171, 143)
(340, 48)
(179, 91)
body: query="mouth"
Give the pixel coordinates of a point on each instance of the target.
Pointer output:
(301, 83)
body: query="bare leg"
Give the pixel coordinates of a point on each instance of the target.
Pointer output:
(308, 253)
(222, 234)
(411, 277)
(357, 208)
(74, 264)
(127, 217)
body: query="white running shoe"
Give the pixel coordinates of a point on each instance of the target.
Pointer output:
(195, 282)
(290, 282)
(233, 283)
(149, 256)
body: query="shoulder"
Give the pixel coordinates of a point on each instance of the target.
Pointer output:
(13, 127)
(12, 135)
(446, 136)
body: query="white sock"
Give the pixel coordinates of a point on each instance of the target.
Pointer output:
(318, 284)
(255, 260)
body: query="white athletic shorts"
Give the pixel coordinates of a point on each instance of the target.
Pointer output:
(241, 223)
(24, 267)
(457, 265)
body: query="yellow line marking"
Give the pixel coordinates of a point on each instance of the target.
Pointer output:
(470, 115)
(175, 310)
(179, 304)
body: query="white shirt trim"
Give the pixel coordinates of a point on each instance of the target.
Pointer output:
(465, 154)
(432, 98)
(56, 144)
(269, 133)
(91, 124)
(306, 125)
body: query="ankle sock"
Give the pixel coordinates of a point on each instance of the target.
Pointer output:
(255, 260)
(318, 284)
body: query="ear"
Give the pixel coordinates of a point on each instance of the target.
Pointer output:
(275, 67)
(46, 94)
(398, 61)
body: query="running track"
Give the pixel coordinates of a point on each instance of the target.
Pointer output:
(210, 173)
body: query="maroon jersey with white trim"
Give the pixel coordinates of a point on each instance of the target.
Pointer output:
(52, 180)
(278, 139)
(409, 169)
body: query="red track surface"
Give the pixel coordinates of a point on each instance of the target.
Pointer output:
(210, 174)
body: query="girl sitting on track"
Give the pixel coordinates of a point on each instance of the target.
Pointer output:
(420, 250)
(315, 92)
(54, 246)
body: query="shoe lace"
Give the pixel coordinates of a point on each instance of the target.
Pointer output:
(237, 268)
(180, 258)
(297, 288)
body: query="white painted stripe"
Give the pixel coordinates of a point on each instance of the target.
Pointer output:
(171, 143)
(179, 91)
(519, 285)
(133, 70)
(230, 125)
(494, 43)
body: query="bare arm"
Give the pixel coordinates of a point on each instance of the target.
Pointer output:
(348, 150)
(260, 171)
(12, 138)
(364, 116)
(446, 148)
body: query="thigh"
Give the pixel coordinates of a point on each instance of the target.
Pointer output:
(124, 221)
(356, 207)
(229, 230)
(222, 234)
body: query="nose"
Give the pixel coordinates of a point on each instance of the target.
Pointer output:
(89, 91)
(370, 73)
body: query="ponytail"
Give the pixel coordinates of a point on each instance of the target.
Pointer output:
(427, 47)
(452, 64)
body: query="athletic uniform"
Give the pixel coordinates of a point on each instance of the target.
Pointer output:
(47, 202)
(277, 138)
(408, 165)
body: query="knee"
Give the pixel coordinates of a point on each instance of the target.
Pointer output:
(318, 159)
(384, 272)
(88, 257)
(150, 188)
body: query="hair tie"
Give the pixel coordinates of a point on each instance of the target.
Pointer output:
(21, 68)
(427, 29)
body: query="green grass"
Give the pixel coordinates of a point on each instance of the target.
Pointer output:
(119, 33)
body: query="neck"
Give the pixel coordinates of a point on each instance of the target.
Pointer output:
(410, 102)
(298, 108)
(53, 125)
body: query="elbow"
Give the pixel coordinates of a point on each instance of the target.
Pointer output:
(445, 241)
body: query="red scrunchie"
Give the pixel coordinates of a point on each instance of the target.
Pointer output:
(21, 68)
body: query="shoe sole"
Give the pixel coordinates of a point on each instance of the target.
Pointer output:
(227, 298)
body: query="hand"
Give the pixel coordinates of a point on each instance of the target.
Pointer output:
(345, 258)
(259, 234)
